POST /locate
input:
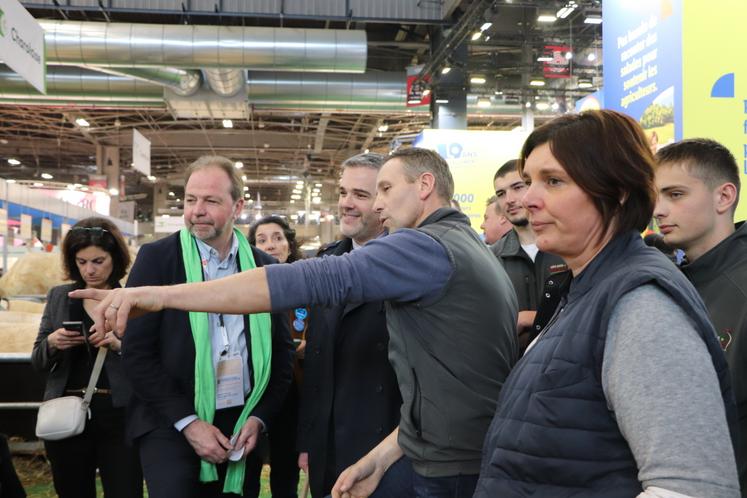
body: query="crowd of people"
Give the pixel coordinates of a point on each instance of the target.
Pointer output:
(556, 356)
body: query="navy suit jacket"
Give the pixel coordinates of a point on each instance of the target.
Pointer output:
(159, 353)
(350, 399)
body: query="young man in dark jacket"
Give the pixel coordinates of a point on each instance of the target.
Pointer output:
(698, 185)
(527, 267)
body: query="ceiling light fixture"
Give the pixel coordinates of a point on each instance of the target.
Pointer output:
(442, 101)
(569, 55)
(151, 178)
(542, 106)
(546, 18)
(13, 161)
(476, 35)
(477, 80)
(227, 123)
(544, 58)
(591, 57)
(238, 165)
(566, 10)
(46, 176)
(445, 70)
(82, 122)
(485, 26)
(536, 82)
(483, 102)
(593, 19)
(381, 128)
(296, 196)
(10, 180)
(114, 191)
(528, 105)
(37, 184)
(584, 84)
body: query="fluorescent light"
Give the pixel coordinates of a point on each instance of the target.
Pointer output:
(498, 92)
(413, 101)
(227, 123)
(591, 57)
(445, 70)
(477, 80)
(319, 184)
(315, 191)
(114, 191)
(82, 122)
(14, 162)
(584, 84)
(542, 106)
(476, 35)
(544, 58)
(485, 26)
(238, 165)
(442, 101)
(536, 82)
(593, 19)
(296, 196)
(10, 180)
(547, 18)
(483, 102)
(316, 200)
(566, 10)
(382, 129)
(47, 176)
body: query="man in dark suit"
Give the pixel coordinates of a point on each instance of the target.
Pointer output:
(350, 398)
(241, 364)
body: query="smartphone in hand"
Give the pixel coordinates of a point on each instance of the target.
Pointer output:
(76, 326)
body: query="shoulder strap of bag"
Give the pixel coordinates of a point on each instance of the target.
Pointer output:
(95, 375)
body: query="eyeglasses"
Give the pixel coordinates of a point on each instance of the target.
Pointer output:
(96, 234)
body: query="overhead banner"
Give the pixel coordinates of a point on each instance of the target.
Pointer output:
(473, 157)
(26, 222)
(642, 42)
(559, 66)
(22, 44)
(46, 230)
(140, 153)
(416, 91)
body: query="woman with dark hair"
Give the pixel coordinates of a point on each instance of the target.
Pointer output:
(625, 391)
(94, 255)
(273, 235)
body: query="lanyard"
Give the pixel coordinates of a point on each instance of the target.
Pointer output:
(221, 323)
(223, 335)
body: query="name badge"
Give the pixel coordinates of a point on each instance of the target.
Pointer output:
(229, 377)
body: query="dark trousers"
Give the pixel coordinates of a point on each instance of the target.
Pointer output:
(101, 445)
(283, 453)
(401, 481)
(172, 468)
(10, 486)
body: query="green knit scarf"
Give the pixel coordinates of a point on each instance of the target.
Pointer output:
(261, 349)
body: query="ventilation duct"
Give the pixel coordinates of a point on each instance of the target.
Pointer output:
(224, 81)
(196, 47)
(184, 82)
(82, 86)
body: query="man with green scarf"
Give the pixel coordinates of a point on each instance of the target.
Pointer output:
(202, 381)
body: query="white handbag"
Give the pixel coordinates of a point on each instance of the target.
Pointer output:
(65, 417)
